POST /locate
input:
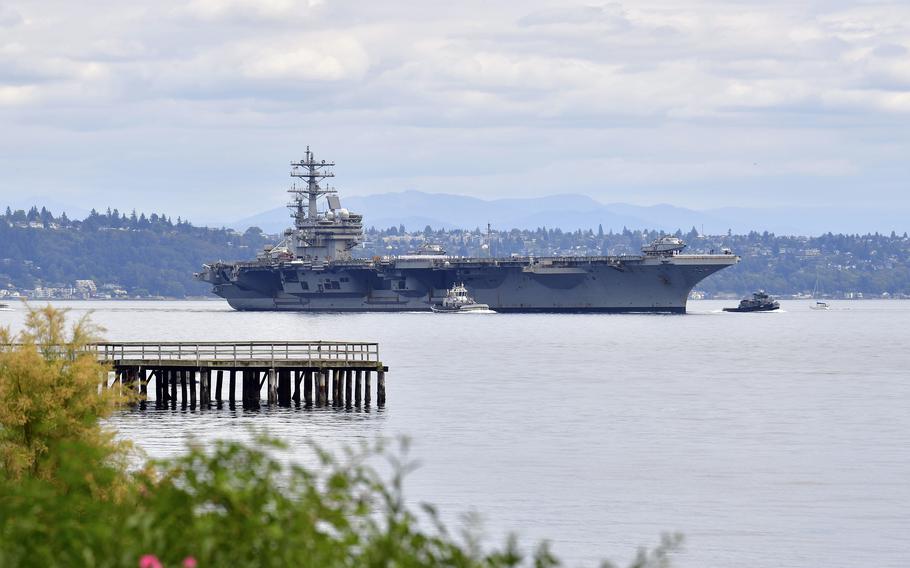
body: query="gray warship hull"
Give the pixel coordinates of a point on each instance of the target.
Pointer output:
(313, 270)
(567, 284)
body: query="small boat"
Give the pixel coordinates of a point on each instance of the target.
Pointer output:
(458, 301)
(5, 308)
(819, 305)
(759, 302)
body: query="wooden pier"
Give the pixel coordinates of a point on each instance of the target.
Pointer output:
(307, 373)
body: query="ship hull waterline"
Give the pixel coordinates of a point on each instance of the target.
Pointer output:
(581, 286)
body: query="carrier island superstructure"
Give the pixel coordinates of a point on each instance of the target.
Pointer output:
(313, 269)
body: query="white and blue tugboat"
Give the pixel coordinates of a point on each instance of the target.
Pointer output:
(457, 300)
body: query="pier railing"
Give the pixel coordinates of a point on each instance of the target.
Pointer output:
(237, 352)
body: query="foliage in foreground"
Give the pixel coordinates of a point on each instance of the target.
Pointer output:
(68, 499)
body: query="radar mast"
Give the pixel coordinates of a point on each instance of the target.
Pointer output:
(320, 237)
(312, 171)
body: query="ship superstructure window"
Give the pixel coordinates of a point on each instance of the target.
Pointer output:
(345, 279)
(402, 284)
(335, 285)
(304, 285)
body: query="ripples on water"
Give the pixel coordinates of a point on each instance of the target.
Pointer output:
(777, 439)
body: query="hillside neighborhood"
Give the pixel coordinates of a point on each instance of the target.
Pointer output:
(112, 255)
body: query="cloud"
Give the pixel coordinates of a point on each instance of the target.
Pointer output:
(245, 9)
(10, 17)
(16, 95)
(612, 15)
(657, 94)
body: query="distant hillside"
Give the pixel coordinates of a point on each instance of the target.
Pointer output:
(415, 210)
(43, 255)
(144, 255)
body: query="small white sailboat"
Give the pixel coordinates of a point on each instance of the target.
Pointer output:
(819, 304)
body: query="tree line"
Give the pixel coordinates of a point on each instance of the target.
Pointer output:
(156, 255)
(146, 255)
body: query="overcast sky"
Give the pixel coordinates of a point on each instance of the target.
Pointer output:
(196, 108)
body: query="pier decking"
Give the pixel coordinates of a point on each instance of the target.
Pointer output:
(312, 373)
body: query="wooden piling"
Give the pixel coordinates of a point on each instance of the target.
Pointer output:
(159, 392)
(308, 388)
(273, 388)
(131, 375)
(259, 377)
(191, 375)
(326, 380)
(380, 388)
(183, 396)
(202, 388)
(232, 386)
(323, 388)
(162, 380)
(143, 385)
(284, 387)
(251, 389)
(348, 379)
(357, 387)
(173, 398)
(366, 388)
(205, 385)
(208, 388)
(245, 387)
(256, 381)
(341, 391)
(298, 378)
(218, 386)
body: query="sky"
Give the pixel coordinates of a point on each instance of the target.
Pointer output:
(196, 108)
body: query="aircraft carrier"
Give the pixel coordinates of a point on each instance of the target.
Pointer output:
(313, 269)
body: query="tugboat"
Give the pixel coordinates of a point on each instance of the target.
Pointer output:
(759, 302)
(458, 301)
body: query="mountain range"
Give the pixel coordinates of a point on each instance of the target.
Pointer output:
(417, 209)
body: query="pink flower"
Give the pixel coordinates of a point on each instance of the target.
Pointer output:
(189, 562)
(150, 561)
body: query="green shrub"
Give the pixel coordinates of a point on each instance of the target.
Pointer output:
(68, 499)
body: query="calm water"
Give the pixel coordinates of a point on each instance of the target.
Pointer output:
(778, 439)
